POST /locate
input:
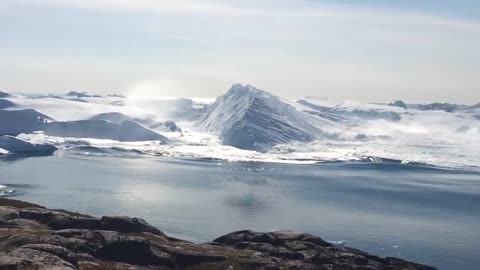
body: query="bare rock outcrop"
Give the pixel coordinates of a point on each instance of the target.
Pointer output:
(33, 237)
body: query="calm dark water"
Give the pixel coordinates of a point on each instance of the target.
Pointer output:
(418, 213)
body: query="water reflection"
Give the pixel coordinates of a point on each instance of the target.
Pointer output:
(11, 157)
(430, 215)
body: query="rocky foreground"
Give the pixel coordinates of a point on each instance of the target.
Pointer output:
(33, 237)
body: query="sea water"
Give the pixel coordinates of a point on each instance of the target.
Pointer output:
(425, 214)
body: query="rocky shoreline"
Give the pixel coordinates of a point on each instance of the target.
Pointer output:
(34, 237)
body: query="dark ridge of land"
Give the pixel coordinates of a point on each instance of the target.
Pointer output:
(34, 237)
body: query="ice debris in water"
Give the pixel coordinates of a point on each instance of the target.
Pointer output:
(339, 243)
(6, 191)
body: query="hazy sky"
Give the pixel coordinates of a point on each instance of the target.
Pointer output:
(368, 50)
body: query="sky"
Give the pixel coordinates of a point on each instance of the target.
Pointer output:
(369, 50)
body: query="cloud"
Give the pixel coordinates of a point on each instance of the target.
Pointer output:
(179, 7)
(340, 50)
(287, 9)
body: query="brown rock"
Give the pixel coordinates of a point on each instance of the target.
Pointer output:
(32, 237)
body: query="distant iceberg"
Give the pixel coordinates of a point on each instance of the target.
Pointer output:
(437, 106)
(127, 131)
(118, 118)
(398, 103)
(22, 121)
(4, 94)
(349, 111)
(78, 94)
(5, 103)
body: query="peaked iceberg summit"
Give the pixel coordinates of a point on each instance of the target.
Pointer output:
(248, 118)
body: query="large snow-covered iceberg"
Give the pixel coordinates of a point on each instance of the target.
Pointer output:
(16, 146)
(126, 131)
(249, 118)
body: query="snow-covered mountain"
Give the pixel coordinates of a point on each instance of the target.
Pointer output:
(249, 118)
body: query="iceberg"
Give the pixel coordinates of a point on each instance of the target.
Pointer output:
(5, 103)
(366, 113)
(118, 118)
(15, 145)
(22, 121)
(126, 131)
(437, 106)
(4, 95)
(349, 111)
(178, 109)
(398, 103)
(252, 119)
(78, 94)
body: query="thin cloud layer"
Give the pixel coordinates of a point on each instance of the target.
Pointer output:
(289, 47)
